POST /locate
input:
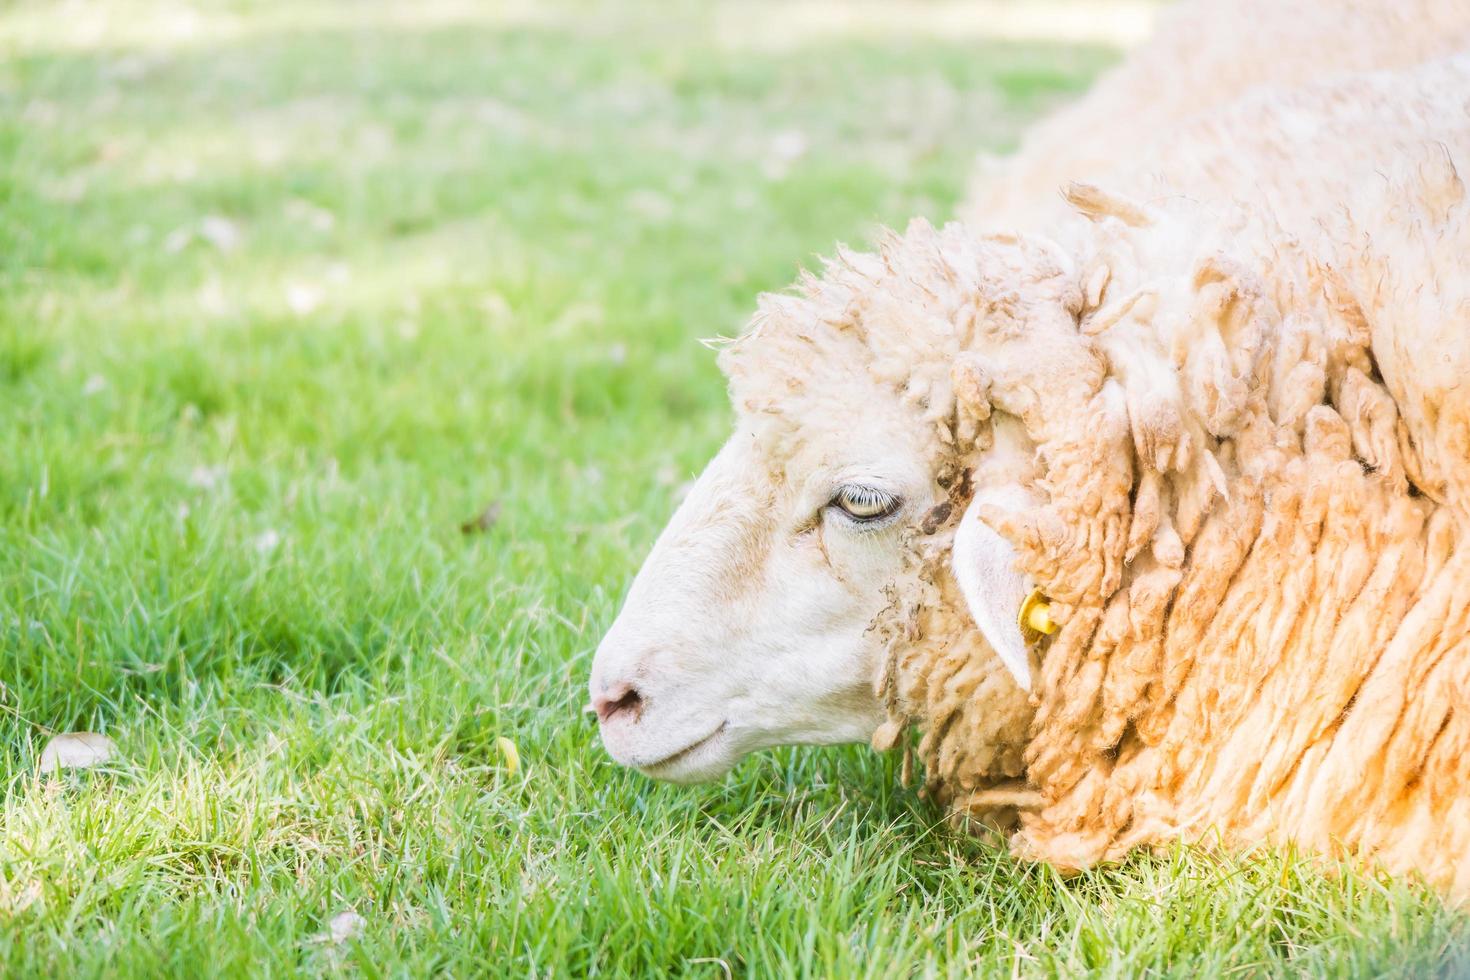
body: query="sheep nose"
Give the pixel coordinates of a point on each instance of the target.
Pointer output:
(616, 699)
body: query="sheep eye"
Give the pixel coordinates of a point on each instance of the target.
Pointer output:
(865, 504)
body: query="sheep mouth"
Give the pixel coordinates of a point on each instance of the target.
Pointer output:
(681, 755)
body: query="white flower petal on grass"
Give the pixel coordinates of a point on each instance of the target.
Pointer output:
(346, 925)
(177, 240)
(219, 232)
(94, 384)
(302, 298)
(786, 147)
(789, 144)
(267, 541)
(206, 477)
(76, 750)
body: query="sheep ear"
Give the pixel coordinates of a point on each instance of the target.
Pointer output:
(984, 566)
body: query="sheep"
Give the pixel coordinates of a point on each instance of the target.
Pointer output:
(1224, 435)
(1201, 59)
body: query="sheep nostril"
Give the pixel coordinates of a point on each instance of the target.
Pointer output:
(617, 699)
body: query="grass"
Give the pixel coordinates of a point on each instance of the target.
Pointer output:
(290, 292)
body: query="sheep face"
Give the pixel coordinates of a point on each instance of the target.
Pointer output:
(748, 626)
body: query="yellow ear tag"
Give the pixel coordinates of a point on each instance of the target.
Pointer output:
(1035, 616)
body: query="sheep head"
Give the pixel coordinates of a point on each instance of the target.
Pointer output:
(769, 609)
(923, 435)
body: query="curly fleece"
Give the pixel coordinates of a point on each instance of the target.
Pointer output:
(1252, 431)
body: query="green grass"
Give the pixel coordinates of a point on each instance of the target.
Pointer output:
(288, 292)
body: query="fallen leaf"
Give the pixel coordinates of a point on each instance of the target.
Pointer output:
(512, 757)
(482, 521)
(76, 750)
(715, 960)
(346, 925)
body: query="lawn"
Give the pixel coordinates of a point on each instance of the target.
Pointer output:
(349, 364)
